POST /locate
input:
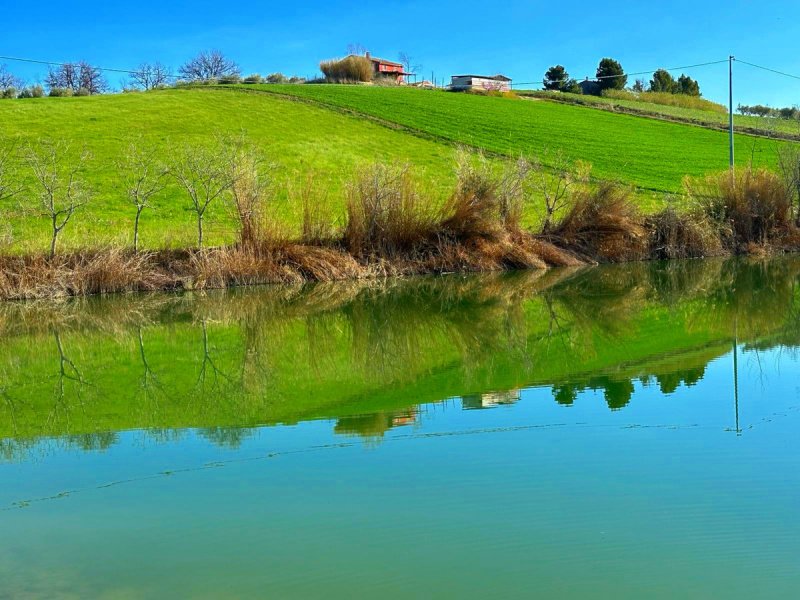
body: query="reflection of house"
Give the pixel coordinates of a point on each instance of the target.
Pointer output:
(485, 83)
(376, 424)
(490, 399)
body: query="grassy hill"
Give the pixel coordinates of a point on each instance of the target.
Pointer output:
(648, 153)
(297, 137)
(331, 130)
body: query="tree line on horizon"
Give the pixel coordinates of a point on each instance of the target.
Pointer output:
(83, 79)
(610, 75)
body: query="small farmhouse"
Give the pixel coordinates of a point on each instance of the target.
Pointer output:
(387, 68)
(487, 83)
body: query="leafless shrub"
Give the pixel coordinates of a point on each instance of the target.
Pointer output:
(555, 182)
(143, 177)
(789, 167)
(61, 191)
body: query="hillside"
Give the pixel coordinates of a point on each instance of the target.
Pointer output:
(331, 130)
(648, 153)
(298, 138)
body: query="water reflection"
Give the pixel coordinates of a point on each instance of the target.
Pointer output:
(369, 355)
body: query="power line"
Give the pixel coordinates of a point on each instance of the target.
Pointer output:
(744, 62)
(62, 64)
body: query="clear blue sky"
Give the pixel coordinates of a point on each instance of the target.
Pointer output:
(520, 39)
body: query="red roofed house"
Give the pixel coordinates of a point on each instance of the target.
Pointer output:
(387, 68)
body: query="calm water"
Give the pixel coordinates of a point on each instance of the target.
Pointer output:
(613, 432)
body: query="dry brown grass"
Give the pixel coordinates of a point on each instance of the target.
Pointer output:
(681, 235)
(386, 215)
(351, 69)
(80, 274)
(748, 206)
(603, 224)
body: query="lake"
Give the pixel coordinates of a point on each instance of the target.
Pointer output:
(621, 431)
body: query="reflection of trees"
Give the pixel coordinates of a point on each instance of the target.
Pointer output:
(284, 354)
(227, 437)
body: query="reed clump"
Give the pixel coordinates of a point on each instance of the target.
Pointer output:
(602, 224)
(386, 214)
(351, 69)
(673, 234)
(747, 207)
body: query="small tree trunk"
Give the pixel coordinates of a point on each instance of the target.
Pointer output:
(136, 231)
(54, 239)
(200, 230)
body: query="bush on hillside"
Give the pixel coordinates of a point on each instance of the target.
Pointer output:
(8, 93)
(33, 91)
(58, 92)
(254, 78)
(352, 69)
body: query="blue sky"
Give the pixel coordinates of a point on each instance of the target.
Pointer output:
(520, 39)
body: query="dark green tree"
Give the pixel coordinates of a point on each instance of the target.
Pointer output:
(662, 81)
(688, 86)
(556, 78)
(611, 75)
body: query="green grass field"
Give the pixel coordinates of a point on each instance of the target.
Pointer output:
(297, 137)
(648, 153)
(767, 126)
(331, 131)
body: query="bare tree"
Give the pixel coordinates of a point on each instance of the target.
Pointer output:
(208, 65)
(408, 63)
(356, 49)
(8, 80)
(76, 77)
(553, 184)
(150, 76)
(61, 191)
(204, 173)
(143, 178)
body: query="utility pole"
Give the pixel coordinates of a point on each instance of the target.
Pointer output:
(730, 105)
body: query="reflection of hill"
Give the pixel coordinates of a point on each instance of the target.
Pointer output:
(276, 355)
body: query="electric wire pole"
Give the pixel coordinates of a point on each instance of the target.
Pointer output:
(730, 105)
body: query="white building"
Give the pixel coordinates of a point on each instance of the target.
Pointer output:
(485, 83)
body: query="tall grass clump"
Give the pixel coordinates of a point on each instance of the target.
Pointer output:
(386, 215)
(487, 200)
(673, 234)
(747, 206)
(351, 69)
(603, 224)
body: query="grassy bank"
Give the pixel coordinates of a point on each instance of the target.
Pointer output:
(393, 228)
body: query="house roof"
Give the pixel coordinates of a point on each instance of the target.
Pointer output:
(495, 77)
(382, 61)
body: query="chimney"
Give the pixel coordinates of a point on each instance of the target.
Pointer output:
(366, 54)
